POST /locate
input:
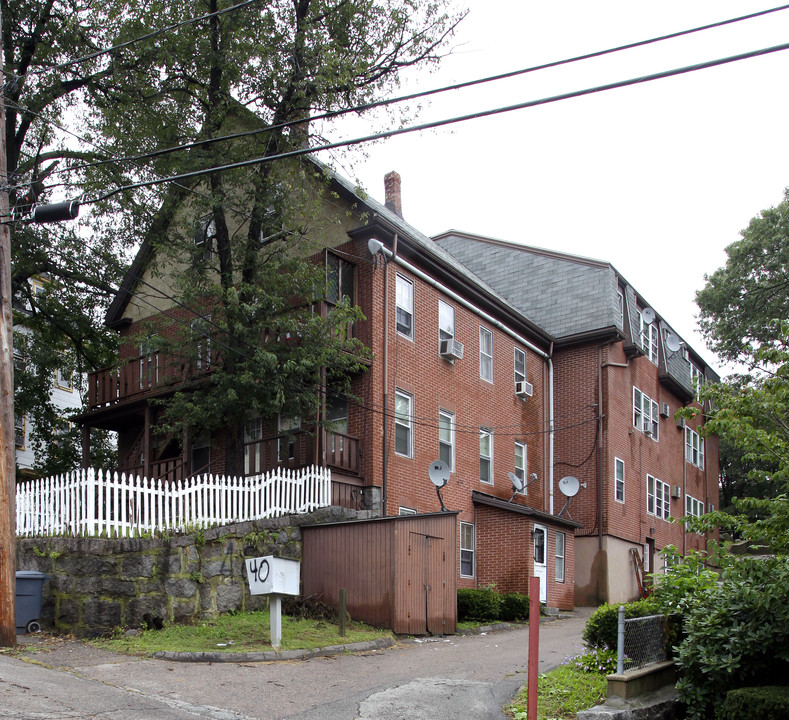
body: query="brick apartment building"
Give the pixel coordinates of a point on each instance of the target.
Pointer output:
(621, 374)
(459, 374)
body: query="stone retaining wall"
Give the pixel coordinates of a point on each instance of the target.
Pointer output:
(96, 584)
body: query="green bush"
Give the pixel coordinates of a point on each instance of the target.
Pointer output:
(479, 604)
(765, 703)
(514, 606)
(737, 634)
(601, 627)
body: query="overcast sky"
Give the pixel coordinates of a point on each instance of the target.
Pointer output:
(657, 179)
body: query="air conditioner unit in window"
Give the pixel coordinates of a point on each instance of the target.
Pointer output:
(450, 349)
(523, 388)
(681, 423)
(676, 491)
(665, 410)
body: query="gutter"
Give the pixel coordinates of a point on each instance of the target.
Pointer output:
(389, 255)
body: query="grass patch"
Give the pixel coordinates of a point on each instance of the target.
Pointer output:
(562, 693)
(240, 632)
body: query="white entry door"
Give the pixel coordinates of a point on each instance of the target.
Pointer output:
(540, 536)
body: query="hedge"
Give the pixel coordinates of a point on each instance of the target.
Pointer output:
(765, 703)
(486, 604)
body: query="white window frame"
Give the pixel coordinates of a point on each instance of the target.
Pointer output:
(405, 422)
(486, 433)
(520, 470)
(696, 376)
(485, 354)
(404, 303)
(658, 498)
(620, 308)
(619, 480)
(694, 448)
(446, 422)
(646, 414)
(693, 506)
(519, 359)
(446, 317)
(468, 545)
(561, 555)
(649, 338)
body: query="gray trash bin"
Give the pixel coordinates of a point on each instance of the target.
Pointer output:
(29, 587)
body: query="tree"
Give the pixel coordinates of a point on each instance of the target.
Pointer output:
(256, 73)
(742, 301)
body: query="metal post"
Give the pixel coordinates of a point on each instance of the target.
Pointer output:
(275, 611)
(342, 612)
(620, 640)
(534, 646)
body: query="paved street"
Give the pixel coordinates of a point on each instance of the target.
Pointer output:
(444, 678)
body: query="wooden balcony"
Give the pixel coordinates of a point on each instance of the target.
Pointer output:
(336, 450)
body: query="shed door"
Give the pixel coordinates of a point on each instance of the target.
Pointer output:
(427, 584)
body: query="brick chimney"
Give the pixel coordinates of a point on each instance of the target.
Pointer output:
(392, 193)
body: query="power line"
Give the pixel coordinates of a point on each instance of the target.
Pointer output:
(426, 93)
(450, 121)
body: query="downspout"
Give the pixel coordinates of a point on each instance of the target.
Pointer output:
(550, 429)
(496, 323)
(385, 477)
(600, 447)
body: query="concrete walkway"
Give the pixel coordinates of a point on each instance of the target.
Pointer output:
(440, 679)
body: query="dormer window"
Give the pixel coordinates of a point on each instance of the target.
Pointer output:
(649, 336)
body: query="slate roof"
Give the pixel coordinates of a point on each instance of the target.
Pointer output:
(566, 294)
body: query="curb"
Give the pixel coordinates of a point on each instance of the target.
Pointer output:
(274, 655)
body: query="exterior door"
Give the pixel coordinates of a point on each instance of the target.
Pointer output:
(426, 584)
(540, 536)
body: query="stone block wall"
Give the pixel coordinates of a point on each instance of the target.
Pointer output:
(98, 584)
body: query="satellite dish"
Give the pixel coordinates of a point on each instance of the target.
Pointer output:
(517, 483)
(569, 486)
(672, 342)
(439, 473)
(648, 314)
(374, 246)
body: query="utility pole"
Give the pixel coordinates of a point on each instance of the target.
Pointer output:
(7, 461)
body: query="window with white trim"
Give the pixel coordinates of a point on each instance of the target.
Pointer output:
(619, 480)
(561, 549)
(694, 448)
(520, 365)
(646, 416)
(658, 498)
(205, 238)
(693, 506)
(19, 432)
(521, 458)
(485, 354)
(201, 338)
(404, 423)
(466, 549)
(253, 434)
(696, 376)
(446, 321)
(620, 308)
(486, 456)
(446, 438)
(649, 338)
(405, 307)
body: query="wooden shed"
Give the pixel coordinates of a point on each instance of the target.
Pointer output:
(398, 572)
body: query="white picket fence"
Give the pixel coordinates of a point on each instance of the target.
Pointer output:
(92, 503)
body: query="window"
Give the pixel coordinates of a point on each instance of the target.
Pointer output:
(201, 453)
(485, 354)
(339, 280)
(19, 432)
(61, 429)
(253, 433)
(446, 438)
(520, 365)
(560, 553)
(149, 365)
(406, 511)
(404, 422)
(63, 379)
(693, 506)
(204, 238)
(696, 377)
(486, 456)
(694, 448)
(620, 308)
(520, 463)
(288, 427)
(446, 321)
(405, 307)
(201, 337)
(649, 338)
(466, 550)
(619, 480)
(646, 416)
(658, 498)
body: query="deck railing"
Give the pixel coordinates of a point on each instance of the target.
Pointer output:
(93, 503)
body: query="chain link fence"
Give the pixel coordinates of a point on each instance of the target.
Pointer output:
(641, 641)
